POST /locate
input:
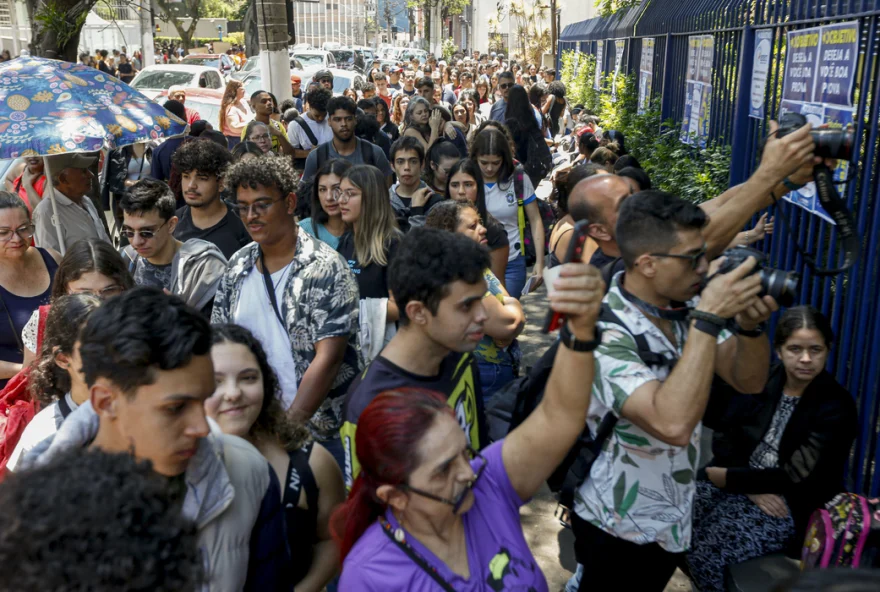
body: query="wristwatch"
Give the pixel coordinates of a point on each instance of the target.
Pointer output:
(756, 332)
(573, 343)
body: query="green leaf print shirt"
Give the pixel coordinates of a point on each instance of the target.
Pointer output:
(640, 488)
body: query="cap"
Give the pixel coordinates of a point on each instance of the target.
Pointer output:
(295, 78)
(322, 74)
(59, 162)
(397, 70)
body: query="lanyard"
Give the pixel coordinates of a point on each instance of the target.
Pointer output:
(270, 288)
(416, 558)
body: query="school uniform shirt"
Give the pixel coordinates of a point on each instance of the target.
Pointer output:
(229, 234)
(501, 203)
(458, 379)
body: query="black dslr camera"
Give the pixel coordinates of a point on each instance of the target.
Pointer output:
(829, 143)
(781, 285)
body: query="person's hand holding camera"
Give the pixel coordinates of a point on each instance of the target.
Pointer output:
(729, 294)
(789, 156)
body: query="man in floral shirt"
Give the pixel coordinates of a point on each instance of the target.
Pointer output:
(296, 294)
(633, 514)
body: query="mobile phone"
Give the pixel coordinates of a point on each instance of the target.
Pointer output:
(575, 250)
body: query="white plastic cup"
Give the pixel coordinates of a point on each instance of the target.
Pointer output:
(550, 275)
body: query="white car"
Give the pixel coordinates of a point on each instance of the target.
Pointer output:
(342, 79)
(152, 80)
(315, 59)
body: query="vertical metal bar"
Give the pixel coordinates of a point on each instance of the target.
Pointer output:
(739, 157)
(666, 98)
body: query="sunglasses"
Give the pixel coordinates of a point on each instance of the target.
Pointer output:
(144, 234)
(505, 85)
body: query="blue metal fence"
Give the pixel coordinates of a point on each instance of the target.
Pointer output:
(852, 299)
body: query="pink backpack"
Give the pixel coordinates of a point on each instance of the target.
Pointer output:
(845, 533)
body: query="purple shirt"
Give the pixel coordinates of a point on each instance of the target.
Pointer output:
(498, 556)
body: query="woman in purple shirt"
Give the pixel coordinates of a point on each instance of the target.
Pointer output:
(428, 513)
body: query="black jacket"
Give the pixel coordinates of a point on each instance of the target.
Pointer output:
(813, 450)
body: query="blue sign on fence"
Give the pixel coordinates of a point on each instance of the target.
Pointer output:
(819, 75)
(698, 90)
(760, 69)
(646, 74)
(600, 64)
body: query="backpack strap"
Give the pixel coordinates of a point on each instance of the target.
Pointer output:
(607, 272)
(64, 407)
(643, 350)
(307, 130)
(518, 188)
(323, 155)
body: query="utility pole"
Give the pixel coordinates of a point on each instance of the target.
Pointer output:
(553, 31)
(274, 59)
(388, 20)
(145, 20)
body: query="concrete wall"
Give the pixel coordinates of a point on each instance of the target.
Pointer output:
(572, 11)
(16, 38)
(206, 27)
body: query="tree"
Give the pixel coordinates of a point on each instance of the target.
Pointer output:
(448, 8)
(532, 34)
(56, 27)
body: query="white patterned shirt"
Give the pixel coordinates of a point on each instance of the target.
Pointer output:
(640, 489)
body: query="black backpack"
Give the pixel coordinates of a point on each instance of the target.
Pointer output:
(539, 161)
(300, 163)
(510, 406)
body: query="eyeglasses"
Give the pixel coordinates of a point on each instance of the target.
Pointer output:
(261, 138)
(260, 207)
(694, 259)
(459, 499)
(103, 293)
(144, 234)
(26, 232)
(348, 194)
(505, 85)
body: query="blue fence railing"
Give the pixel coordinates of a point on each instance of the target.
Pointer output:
(852, 299)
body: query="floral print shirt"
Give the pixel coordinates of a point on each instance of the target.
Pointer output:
(640, 489)
(320, 301)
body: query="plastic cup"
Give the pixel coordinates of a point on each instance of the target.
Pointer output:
(550, 275)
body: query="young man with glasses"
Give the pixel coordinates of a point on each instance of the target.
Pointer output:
(206, 216)
(190, 270)
(436, 279)
(505, 81)
(296, 294)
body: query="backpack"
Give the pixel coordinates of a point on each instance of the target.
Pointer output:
(539, 161)
(17, 408)
(845, 533)
(548, 217)
(304, 190)
(513, 403)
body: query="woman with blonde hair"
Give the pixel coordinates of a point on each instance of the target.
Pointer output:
(234, 112)
(369, 246)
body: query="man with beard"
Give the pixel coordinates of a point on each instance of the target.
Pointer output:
(202, 164)
(263, 105)
(345, 145)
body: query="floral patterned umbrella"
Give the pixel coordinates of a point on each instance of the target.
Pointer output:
(50, 107)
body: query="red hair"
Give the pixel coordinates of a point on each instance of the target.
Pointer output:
(388, 434)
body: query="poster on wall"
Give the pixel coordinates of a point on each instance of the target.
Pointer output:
(646, 74)
(698, 90)
(760, 69)
(600, 63)
(820, 67)
(619, 49)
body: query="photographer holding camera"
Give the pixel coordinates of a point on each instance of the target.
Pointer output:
(632, 517)
(787, 163)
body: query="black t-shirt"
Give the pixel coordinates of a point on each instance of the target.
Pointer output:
(600, 259)
(125, 72)
(373, 279)
(229, 234)
(496, 236)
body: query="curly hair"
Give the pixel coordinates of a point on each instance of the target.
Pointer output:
(428, 261)
(47, 381)
(206, 158)
(267, 171)
(116, 528)
(446, 215)
(272, 422)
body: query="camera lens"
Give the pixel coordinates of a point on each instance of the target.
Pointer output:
(833, 143)
(781, 285)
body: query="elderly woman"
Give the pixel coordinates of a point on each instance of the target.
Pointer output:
(26, 278)
(427, 512)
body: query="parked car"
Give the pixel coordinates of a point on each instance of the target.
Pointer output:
(221, 61)
(344, 58)
(252, 64)
(315, 59)
(206, 101)
(152, 80)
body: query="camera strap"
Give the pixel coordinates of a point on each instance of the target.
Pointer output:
(835, 206)
(679, 311)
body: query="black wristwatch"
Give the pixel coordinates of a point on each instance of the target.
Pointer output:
(573, 343)
(756, 332)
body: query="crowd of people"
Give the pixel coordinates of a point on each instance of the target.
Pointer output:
(272, 369)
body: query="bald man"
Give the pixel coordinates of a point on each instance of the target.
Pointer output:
(597, 199)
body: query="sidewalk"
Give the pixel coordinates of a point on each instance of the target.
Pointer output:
(553, 545)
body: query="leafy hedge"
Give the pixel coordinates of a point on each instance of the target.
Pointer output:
(689, 172)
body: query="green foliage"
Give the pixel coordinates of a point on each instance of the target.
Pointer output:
(228, 9)
(55, 18)
(691, 173)
(448, 49)
(609, 7)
